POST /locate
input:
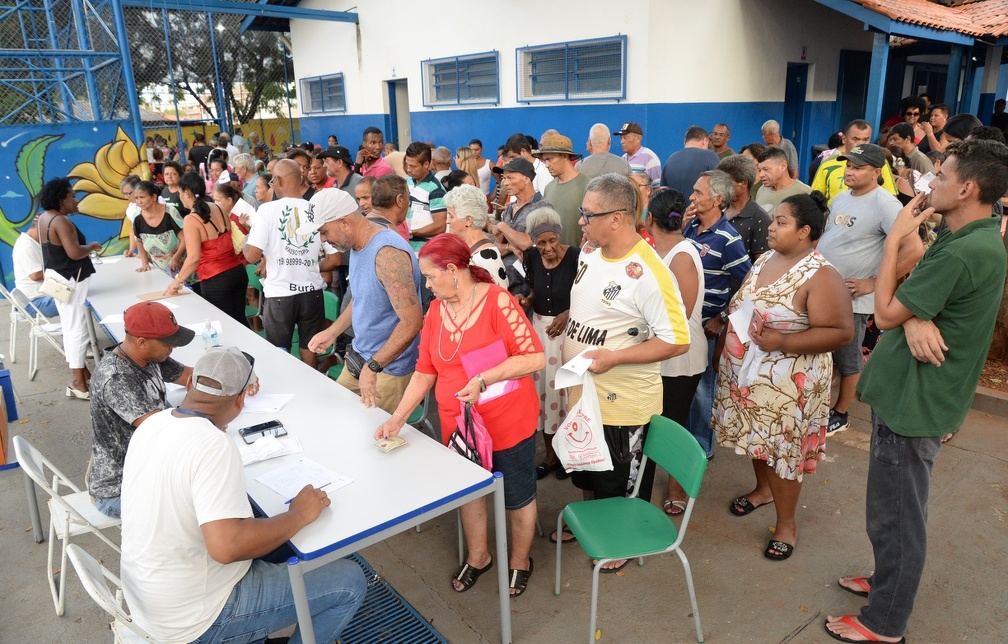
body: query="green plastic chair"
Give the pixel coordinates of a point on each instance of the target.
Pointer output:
(629, 527)
(252, 311)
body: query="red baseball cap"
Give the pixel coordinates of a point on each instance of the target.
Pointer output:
(154, 321)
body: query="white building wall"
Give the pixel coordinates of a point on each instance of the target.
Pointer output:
(678, 51)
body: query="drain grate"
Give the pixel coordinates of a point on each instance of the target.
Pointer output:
(386, 617)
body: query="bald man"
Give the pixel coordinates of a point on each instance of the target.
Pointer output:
(772, 137)
(600, 160)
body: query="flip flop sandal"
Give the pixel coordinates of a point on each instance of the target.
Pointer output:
(467, 576)
(613, 571)
(784, 550)
(543, 470)
(860, 582)
(572, 539)
(849, 621)
(519, 579)
(744, 503)
(673, 508)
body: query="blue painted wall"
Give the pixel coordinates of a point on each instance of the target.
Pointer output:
(32, 155)
(664, 124)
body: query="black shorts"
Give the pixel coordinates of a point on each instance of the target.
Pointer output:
(280, 315)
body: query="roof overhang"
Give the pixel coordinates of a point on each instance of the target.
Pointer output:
(884, 24)
(264, 15)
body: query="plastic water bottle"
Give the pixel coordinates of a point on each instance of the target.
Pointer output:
(209, 336)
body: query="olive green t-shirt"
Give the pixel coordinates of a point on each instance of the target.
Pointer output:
(566, 199)
(957, 285)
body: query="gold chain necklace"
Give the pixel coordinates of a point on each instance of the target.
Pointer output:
(465, 326)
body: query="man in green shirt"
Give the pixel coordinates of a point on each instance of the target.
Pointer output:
(923, 373)
(566, 191)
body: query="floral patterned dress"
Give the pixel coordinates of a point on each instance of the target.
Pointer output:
(771, 405)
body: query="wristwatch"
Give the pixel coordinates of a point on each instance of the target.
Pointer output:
(374, 365)
(723, 316)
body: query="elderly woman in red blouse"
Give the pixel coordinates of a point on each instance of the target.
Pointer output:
(474, 321)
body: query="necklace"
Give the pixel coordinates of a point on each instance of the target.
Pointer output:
(465, 326)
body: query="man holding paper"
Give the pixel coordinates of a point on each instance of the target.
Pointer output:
(192, 566)
(626, 309)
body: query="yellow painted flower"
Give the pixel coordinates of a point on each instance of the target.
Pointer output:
(100, 180)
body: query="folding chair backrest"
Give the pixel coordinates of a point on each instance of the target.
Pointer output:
(253, 279)
(332, 303)
(94, 578)
(31, 462)
(676, 450)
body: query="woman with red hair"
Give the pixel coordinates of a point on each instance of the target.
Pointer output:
(475, 323)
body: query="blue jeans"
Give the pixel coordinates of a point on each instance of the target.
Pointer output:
(703, 403)
(262, 602)
(899, 481)
(110, 507)
(43, 304)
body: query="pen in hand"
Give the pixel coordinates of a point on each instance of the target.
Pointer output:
(287, 502)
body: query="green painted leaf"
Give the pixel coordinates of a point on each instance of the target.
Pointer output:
(30, 162)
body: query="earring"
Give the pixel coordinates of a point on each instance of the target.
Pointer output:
(456, 283)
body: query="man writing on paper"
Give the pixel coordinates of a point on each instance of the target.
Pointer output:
(127, 387)
(625, 308)
(191, 550)
(385, 311)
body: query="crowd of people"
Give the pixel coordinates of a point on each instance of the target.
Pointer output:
(716, 289)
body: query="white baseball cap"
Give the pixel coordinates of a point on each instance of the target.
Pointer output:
(325, 206)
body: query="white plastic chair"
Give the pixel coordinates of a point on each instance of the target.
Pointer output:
(41, 327)
(95, 578)
(69, 515)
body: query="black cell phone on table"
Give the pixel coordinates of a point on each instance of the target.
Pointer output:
(254, 432)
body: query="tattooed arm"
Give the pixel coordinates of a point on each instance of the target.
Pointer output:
(395, 271)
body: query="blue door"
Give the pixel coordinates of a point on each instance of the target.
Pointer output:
(793, 124)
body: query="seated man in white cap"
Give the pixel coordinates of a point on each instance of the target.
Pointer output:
(192, 566)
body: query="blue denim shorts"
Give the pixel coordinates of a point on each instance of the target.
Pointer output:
(517, 464)
(848, 359)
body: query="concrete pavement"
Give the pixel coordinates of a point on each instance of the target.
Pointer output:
(743, 597)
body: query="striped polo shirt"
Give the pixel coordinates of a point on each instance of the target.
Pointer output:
(723, 256)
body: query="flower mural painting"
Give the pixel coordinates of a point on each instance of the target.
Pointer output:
(99, 180)
(30, 167)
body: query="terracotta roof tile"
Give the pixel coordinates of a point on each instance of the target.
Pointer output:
(973, 17)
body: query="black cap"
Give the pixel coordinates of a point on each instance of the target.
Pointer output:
(867, 154)
(337, 152)
(521, 165)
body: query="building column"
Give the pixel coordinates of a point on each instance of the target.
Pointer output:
(876, 79)
(951, 97)
(989, 84)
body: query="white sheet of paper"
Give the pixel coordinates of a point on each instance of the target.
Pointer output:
(168, 304)
(288, 480)
(268, 447)
(266, 403)
(569, 375)
(741, 319)
(112, 318)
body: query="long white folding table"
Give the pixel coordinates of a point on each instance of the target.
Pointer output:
(390, 493)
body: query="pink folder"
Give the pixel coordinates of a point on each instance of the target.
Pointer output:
(485, 358)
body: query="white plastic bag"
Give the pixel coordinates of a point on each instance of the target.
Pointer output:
(580, 442)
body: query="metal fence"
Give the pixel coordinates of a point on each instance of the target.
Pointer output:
(61, 60)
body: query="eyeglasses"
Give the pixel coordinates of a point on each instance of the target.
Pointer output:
(251, 361)
(911, 113)
(589, 216)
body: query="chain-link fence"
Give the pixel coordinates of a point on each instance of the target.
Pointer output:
(60, 61)
(199, 73)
